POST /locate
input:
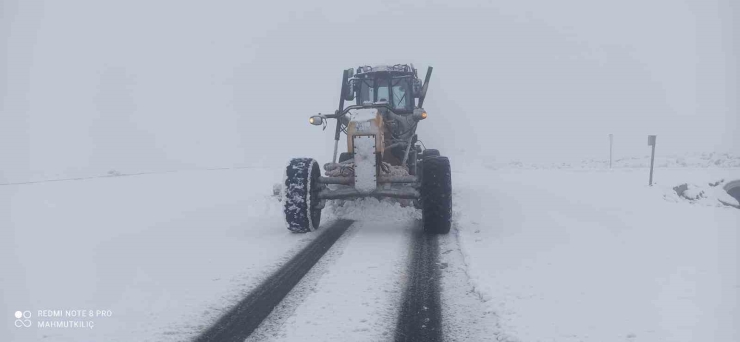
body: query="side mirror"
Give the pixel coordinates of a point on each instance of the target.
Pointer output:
(349, 85)
(316, 120)
(349, 90)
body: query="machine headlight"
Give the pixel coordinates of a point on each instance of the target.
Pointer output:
(420, 115)
(316, 120)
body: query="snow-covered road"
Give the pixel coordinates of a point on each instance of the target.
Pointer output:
(548, 254)
(352, 294)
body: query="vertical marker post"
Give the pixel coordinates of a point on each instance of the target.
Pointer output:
(611, 141)
(651, 142)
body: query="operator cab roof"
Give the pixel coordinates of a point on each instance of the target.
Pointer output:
(402, 69)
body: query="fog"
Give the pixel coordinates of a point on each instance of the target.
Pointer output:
(91, 86)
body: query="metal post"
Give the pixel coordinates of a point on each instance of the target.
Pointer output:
(336, 145)
(651, 141)
(339, 120)
(408, 147)
(611, 142)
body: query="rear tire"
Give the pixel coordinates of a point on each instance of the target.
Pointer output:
(430, 153)
(436, 195)
(301, 195)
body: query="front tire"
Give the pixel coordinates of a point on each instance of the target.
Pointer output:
(436, 195)
(301, 203)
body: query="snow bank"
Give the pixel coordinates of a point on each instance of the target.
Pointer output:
(709, 194)
(587, 255)
(703, 160)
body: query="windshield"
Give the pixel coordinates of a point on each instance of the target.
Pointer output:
(399, 99)
(381, 89)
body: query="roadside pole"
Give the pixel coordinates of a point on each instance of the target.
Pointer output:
(651, 142)
(611, 143)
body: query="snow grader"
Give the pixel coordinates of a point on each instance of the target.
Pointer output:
(384, 157)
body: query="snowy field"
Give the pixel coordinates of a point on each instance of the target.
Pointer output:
(550, 254)
(165, 252)
(598, 255)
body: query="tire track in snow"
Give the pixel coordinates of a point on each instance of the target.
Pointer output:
(353, 293)
(279, 318)
(239, 322)
(420, 317)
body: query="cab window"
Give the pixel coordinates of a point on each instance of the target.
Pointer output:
(394, 91)
(382, 90)
(367, 92)
(401, 99)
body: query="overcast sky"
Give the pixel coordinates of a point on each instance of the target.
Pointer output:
(90, 86)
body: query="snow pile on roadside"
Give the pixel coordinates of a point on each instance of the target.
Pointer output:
(702, 160)
(708, 194)
(364, 209)
(584, 255)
